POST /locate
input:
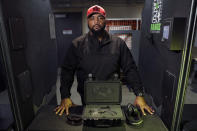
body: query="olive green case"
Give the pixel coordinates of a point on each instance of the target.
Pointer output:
(102, 99)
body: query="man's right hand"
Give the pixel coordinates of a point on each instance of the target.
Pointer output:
(66, 103)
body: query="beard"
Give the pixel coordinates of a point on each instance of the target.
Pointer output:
(97, 32)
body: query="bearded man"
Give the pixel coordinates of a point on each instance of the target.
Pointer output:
(102, 55)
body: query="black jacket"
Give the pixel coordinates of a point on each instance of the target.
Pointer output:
(102, 59)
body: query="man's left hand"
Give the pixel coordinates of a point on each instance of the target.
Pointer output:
(141, 103)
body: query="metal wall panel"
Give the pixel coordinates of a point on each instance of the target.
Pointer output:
(41, 51)
(33, 55)
(155, 58)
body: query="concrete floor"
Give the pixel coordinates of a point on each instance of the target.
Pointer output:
(191, 92)
(127, 97)
(6, 117)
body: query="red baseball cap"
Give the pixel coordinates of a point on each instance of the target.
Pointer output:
(96, 9)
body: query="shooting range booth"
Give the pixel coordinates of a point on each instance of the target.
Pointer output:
(34, 39)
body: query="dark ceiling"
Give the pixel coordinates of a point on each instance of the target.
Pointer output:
(58, 4)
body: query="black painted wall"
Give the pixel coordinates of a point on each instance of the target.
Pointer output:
(2, 76)
(69, 21)
(40, 53)
(35, 65)
(157, 63)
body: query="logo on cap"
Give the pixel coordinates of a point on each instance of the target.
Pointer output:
(96, 9)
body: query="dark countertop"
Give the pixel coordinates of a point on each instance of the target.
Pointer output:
(48, 120)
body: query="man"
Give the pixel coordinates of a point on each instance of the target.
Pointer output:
(102, 55)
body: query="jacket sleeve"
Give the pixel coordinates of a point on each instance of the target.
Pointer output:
(68, 71)
(129, 68)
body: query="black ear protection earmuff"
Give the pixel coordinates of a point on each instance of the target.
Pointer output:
(133, 116)
(74, 120)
